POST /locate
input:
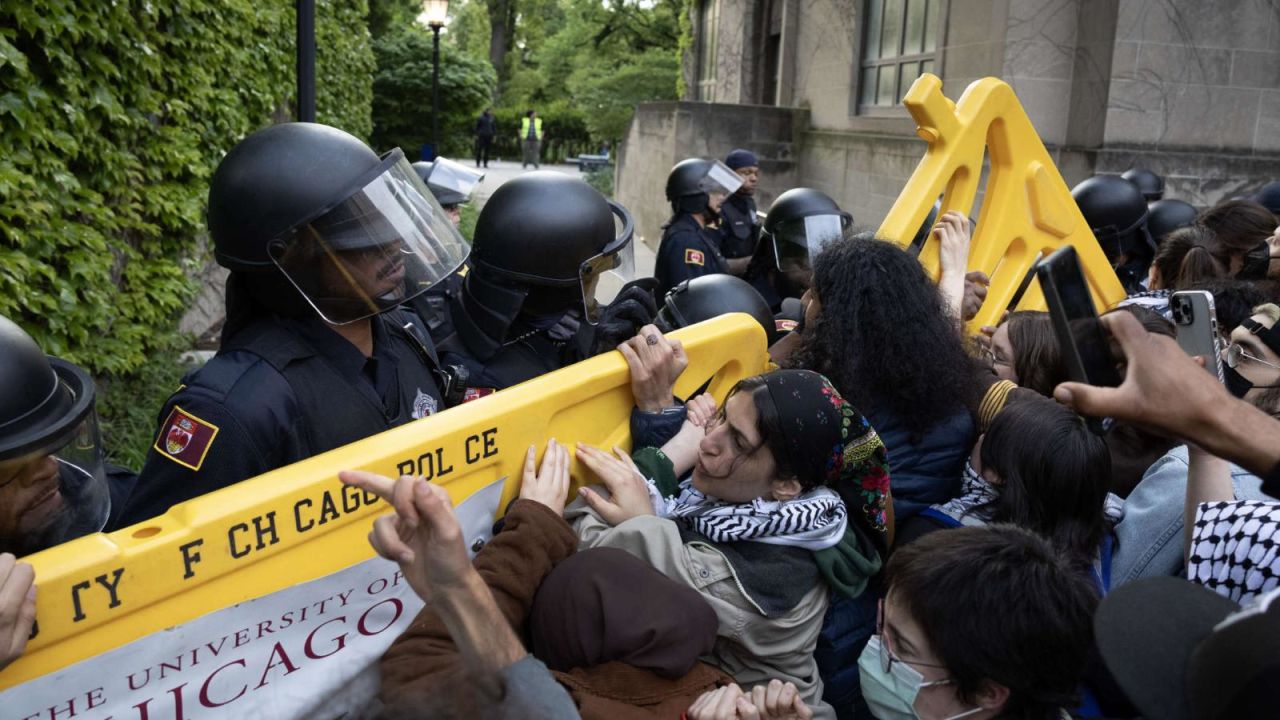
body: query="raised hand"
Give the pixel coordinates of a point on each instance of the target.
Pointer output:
(628, 490)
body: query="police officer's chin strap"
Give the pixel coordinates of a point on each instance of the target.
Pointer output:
(483, 312)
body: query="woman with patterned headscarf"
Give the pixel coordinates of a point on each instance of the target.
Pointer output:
(765, 507)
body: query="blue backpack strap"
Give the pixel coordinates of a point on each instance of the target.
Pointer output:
(940, 517)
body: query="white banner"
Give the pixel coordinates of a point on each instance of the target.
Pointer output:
(309, 651)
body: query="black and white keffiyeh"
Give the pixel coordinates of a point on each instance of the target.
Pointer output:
(815, 520)
(1235, 548)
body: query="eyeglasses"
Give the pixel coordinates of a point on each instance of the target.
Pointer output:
(888, 657)
(993, 360)
(1236, 353)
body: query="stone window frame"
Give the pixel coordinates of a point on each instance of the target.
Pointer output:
(935, 13)
(708, 17)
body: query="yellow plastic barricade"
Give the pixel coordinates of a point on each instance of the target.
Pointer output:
(1027, 208)
(264, 599)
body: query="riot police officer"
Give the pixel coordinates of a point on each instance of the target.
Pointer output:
(690, 245)
(53, 482)
(739, 225)
(549, 284)
(324, 240)
(1165, 216)
(1148, 183)
(1117, 214)
(1269, 197)
(800, 223)
(451, 183)
(710, 296)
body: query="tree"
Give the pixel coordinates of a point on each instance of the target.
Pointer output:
(402, 93)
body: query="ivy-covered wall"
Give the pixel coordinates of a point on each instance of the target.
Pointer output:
(113, 116)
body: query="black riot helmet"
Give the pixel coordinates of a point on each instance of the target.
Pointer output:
(691, 183)
(1165, 216)
(709, 296)
(1269, 197)
(546, 230)
(800, 223)
(1117, 215)
(50, 455)
(451, 183)
(354, 233)
(1148, 183)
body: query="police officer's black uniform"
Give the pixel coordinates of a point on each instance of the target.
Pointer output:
(528, 305)
(739, 226)
(688, 250)
(284, 389)
(318, 231)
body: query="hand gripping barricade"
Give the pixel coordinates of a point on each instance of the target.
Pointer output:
(264, 599)
(1027, 211)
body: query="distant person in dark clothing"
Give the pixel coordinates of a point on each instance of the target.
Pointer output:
(486, 129)
(739, 224)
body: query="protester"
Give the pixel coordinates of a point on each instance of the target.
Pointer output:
(1038, 467)
(878, 327)
(1166, 391)
(17, 607)
(1181, 652)
(761, 526)
(1154, 517)
(1243, 229)
(979, 623)
(619, 653)
(1234, 300)
(1024, 349)
(486, 129)
(462, 657)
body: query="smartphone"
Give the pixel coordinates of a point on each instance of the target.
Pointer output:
(1197, 323)
(1086, 350)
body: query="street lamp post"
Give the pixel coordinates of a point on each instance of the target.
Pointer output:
(433, 16)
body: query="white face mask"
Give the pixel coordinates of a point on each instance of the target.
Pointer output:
(891, 695)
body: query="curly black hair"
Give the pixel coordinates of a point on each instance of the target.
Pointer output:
(885, 338)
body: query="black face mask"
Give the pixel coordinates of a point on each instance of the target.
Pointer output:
(1256, 262)
(1237, 384)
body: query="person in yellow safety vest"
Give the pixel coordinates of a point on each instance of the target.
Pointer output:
(531, 138)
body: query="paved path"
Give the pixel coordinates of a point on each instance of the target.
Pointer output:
(500, 171)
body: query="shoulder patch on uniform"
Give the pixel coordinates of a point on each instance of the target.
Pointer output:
(185, 438)
(694, 257)
(784, 325)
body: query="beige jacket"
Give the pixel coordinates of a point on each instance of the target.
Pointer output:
(751, 647)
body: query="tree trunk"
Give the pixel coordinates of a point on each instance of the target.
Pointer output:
(501, 33)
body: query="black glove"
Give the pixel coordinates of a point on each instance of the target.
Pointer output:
(619, 321)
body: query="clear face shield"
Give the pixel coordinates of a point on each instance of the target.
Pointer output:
(56, 491)
(452, 183)
(385, 244)
(719, 181)
(797, 242)
(604, 276)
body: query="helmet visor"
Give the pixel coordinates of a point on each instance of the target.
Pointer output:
(383, 245)
(452, 182)
(797, 242)
(720, 180)
(603, 277)
(54, 493)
